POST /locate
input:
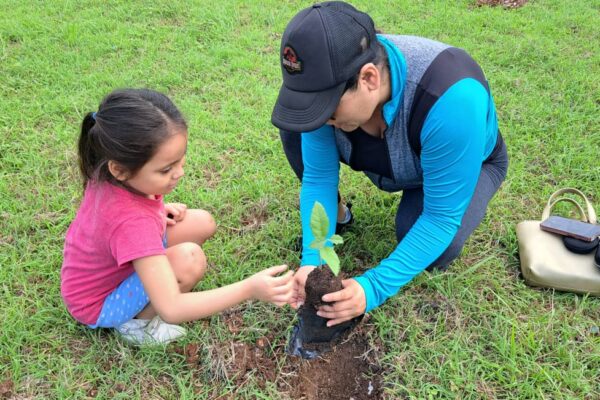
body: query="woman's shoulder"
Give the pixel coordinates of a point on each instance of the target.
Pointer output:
(414, 42)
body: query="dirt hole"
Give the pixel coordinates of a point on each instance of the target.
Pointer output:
(350, 371)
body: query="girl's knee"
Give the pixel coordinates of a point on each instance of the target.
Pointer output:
(198, 263)
(206, 224)
(192, 265)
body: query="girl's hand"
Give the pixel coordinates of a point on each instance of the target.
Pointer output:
(175, 212)
(267, 286)
(348, 303)
(299, 282)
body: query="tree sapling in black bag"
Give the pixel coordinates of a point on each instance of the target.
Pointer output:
(311, 336)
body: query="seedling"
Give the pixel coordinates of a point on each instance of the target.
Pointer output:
(319, 225)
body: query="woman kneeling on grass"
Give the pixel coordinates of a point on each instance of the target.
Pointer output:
(130, 261)
(413, 114)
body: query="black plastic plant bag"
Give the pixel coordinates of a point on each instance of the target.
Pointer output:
(311, 337)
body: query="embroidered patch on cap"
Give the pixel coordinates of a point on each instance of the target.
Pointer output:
(290, 60)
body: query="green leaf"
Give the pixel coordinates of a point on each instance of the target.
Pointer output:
(317, 244)
(328, 254)
(336, 239)
(319, 223)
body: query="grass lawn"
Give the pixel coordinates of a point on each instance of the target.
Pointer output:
(473, 332)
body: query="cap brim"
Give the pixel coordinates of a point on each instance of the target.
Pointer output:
(305, 111)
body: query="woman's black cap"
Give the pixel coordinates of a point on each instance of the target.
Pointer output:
(322, 47)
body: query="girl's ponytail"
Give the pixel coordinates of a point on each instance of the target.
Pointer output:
(87, 152)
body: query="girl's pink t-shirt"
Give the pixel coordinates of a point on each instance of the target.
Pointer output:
(112, 228)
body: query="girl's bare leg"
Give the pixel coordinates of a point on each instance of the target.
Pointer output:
(197, 227)
(189, 265)
(184, 252)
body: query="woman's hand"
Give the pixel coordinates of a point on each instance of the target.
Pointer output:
(348, 303)
(267, 286)
(175, 212)
(299, 281)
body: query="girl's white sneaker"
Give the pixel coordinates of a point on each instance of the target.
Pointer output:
(147, 332)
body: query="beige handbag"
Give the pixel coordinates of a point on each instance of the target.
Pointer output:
(546, 262)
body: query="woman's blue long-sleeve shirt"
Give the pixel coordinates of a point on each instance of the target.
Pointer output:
(456, 138)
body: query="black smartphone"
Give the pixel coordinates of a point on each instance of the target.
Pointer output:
(571, 227)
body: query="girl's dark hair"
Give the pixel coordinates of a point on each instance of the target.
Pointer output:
(128, 127)
(381, 58)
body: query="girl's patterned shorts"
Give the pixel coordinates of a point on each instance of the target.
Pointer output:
(125, 302)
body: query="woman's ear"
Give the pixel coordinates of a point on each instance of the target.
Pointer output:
(370, 76)
(117, 171)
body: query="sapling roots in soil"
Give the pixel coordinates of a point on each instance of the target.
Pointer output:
(311, 336)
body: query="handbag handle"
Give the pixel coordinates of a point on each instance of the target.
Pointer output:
(552, 201)
(582, 213)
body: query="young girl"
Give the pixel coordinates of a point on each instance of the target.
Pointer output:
(131, 261)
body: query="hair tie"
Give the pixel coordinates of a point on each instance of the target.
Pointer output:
(94, 116)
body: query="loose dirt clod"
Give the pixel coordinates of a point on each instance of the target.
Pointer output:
(319, 282)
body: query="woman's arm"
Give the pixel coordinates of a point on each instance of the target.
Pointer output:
(319, 183)
(453, 138)
(174, 307)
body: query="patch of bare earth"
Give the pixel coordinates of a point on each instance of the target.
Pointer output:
(6, 389)
(503, 3)
(255, 216)
(350, 371)
(213, 171)
(440, 308)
